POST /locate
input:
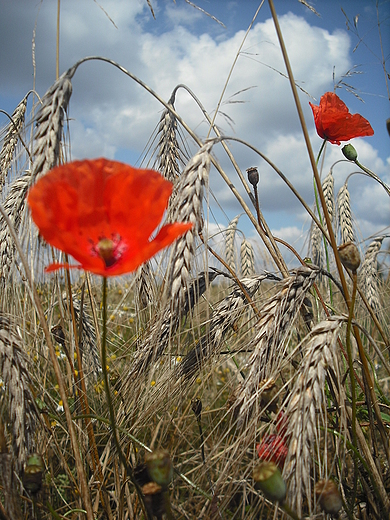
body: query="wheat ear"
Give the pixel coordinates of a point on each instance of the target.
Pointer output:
(305, 411)
(230, 250)
(14, 206)
(15, 371)
(187, 199)
(11, 139)
(49, 123)
(368, 275)
(344, 215)
(276, 318)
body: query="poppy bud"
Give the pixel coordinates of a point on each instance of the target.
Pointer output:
(160, 467)
(329, 497)
(349, 256)
(253, 175)
(269, 480)
(196, 405)
(349, 152)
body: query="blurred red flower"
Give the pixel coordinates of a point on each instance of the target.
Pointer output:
(334, 122)
(103, 213)
(273, 448)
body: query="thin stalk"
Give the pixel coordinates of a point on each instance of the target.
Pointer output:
(114, 430)
(353, 386)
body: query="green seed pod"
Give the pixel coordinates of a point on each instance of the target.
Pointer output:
(269, 480)
(349, 152)
(160, 467)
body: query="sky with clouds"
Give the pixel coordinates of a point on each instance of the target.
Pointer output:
(112, 116)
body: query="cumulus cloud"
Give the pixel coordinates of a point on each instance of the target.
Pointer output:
(111, 115)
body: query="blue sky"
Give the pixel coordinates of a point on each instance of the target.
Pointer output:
(113, 117)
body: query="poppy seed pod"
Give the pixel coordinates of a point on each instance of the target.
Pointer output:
(328, 496)
(253, 175)
(349, 256)
(269, 480)
(349, 152)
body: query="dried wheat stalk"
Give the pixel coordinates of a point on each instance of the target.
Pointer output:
(88, 344)
(15, 372)
(306, 413)
(230, 250)
(49, 123)
(224, 316)
(145, 290)
(14, 205)
(168, 148)
(276, 320)
(316, 245)
(328, 189)
(187, 201)
(368, 275)
(11, 139)
(344, 215)
(247, 259)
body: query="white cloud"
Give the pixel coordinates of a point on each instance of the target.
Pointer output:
(110, 113)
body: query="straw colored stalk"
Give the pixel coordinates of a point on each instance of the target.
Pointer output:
(15, 372)
(230, 250)
(247, 258)
(368, 275)
(187, 201)
(344, 215)
(11, 139)
(305, 411)
(275, 324)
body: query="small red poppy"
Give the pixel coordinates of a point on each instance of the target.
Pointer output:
(273, 448)
(334, 122)
(103, 213)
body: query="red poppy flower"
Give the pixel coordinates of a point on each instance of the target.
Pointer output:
(334, 122)
(273, 448)
(103, 213)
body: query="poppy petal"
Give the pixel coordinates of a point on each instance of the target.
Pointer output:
(334, 122)
(103, 214)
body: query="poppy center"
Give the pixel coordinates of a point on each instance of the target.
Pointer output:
(110, 250)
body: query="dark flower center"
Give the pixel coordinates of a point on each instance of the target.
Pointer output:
(110, 250)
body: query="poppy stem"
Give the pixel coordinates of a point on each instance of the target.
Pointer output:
(121, 455)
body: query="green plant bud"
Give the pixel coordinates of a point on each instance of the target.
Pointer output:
(32, 476)
(160, 467)
(328, 496)
(349, 256)
(269, 480)
(349, 152)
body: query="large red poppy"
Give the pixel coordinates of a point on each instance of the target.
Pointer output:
(334, 122)
(103, 213)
